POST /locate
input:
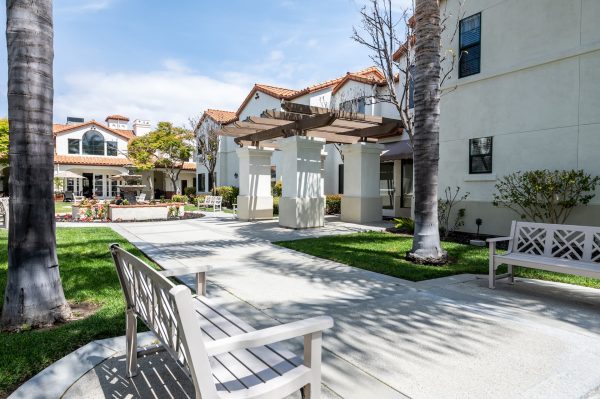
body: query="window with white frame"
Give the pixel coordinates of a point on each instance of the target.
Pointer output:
(480, 155)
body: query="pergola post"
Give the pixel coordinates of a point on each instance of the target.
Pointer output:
(361, 202)
(302, 203)
(255, 200)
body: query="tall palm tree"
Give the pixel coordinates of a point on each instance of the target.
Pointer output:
(426, 242)
(34, 294)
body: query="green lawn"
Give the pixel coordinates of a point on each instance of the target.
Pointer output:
(88, 275)
(384, 253)
(62, 207)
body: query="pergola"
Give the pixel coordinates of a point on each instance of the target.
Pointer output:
(334, 126)
(300, 132)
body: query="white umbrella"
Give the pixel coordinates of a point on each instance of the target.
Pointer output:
(68, 175)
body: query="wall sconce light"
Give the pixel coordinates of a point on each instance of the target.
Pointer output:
(256, 96)
(235, 175)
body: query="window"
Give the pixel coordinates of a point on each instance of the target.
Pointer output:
(201, 182)
(480, 155)
(98, 189)
(407, 183)
(111, 148)
(341, 178)
(114, 190)
(74, 146)
(93, 143)
(470, 46)
(355, 106)
(71, 184)
(386, 184)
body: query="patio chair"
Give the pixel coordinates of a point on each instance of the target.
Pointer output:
(141, 198)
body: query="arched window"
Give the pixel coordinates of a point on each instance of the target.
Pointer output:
(92, 143)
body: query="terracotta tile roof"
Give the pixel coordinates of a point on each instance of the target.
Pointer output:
(59, 128)
(102, 161)
(370, 74)
(368, 79)
(90, 160)
(118, 117)
(220, 116)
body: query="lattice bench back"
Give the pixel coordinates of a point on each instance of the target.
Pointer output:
(147, 294)
(579, 243)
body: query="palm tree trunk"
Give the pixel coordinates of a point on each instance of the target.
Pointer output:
(426, 242)
(34, 294)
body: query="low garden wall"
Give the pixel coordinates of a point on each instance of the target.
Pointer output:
(160, 211)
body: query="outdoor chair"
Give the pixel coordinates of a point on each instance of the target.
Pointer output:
(223, 355)
(140, 198)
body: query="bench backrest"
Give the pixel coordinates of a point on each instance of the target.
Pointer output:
(78, 198)
(208, 200)
(167, 310)
(141, 197)
(217, 200)
(581, 243)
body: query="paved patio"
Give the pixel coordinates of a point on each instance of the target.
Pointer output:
(444, 338)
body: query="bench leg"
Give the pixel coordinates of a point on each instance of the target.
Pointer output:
(201, 283)
(492, 272)
(511, 272)
(312, 359)
(131, 343)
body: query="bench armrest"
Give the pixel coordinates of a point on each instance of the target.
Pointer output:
(270, 335)
(199, 270)
(499, 239)
(180, 271)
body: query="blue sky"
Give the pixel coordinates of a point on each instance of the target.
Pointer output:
(167, 60)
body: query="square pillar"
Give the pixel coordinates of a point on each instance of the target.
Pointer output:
(255, 200)
(361, 202)
(302, 204)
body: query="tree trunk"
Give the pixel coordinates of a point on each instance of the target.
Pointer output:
(34, 294)
(426, 242)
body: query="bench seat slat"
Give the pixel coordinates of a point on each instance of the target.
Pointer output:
(283, 361)
(568, 266)
(256, 361)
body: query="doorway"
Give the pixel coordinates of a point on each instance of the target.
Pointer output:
(88, 184)
(386, 187)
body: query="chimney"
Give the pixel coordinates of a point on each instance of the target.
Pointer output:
(72, 120)
(141, 127)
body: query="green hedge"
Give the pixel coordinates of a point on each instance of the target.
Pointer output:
(333, 204)
(275, 205)
(277, 189)
(179, 198)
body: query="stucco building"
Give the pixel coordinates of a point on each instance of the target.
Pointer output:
(98, 151)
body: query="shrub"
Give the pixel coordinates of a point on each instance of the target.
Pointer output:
(445, 206)
(277, 189)
(405, 224)
(189, 191)
(229, 194)
(333, 204)
(275, 205)
(544, 195)
(179, 198)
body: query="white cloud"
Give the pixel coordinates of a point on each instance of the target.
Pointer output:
(83, 6)
(171, 94)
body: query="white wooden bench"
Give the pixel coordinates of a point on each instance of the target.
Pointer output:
(78, 199)
(554, 247)
(224, 356)
(211, 200)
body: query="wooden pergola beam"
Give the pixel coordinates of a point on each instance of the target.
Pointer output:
(279, 131)
(374, 131)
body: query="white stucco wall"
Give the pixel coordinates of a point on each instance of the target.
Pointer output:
(537, 95)
(62, 140)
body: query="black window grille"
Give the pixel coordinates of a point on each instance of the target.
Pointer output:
(470, 46)
(341, 178)
(201, 182)
(93, 143)
(354, 106)
(480, 155)
(74, 146)
(111, 148)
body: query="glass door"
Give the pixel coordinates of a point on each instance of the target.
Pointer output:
(386, 187)
(407, 183)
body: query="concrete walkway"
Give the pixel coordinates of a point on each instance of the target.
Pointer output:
(444, 338)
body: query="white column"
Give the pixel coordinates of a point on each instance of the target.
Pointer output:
(361, 202)
(255, 200)
(302, 203)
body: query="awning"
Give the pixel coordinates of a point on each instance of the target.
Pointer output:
(68, 175)
(397, 150)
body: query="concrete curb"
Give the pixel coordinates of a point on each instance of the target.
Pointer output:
(54, 380)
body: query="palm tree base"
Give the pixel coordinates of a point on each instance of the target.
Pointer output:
(421, 257)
